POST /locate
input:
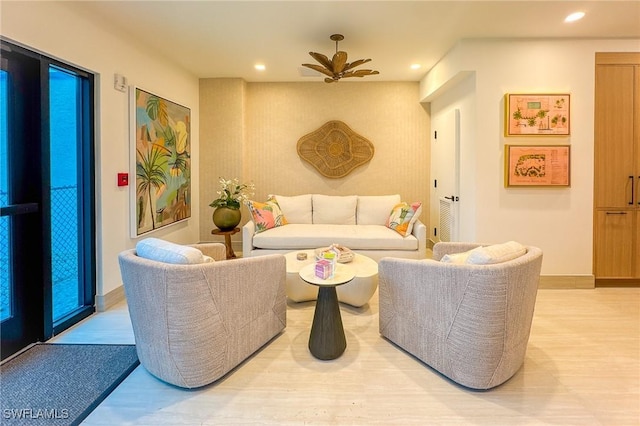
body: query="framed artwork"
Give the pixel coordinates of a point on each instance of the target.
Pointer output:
(160, 162)
(537, 165)
(537, 115)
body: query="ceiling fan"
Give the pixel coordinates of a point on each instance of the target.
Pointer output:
(338, 67)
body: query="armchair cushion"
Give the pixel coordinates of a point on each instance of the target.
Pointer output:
(168, 252)
(496, 253)
(457, 258)
(487, 255)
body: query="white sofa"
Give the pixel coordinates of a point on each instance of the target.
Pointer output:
(356, 222)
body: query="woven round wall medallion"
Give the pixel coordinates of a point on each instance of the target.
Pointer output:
(335, 150)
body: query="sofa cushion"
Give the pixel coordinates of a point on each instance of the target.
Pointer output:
(487, 255)
(168, 252)
(334, 209)
(375, 209)
(403, 216)
(297, 209)
(266, 215)
(354, 237)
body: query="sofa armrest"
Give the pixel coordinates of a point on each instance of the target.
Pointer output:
(420, 232)
(215, 250)
(442, 248)
(248, 231)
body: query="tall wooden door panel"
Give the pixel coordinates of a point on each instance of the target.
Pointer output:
(614, 156)
(617, 167)
(636, 262)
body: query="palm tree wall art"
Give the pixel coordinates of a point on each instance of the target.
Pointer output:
(161, 194)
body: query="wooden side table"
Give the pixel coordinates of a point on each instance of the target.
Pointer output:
(227, 240)
(327, 340)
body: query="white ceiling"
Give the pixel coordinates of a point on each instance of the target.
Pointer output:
(227, 38)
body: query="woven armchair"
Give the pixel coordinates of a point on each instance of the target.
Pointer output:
(195, 323)
(469, 322)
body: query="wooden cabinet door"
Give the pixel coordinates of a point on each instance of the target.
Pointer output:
(636, 262)
(636, 142)
(615, 159)
(615, 243)
(617, 166)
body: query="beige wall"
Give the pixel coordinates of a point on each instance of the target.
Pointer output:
(250, 131)
(222, 105)
(558, 220)
(61, 30)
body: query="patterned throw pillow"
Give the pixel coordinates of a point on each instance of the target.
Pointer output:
(266, 215)
(403, 216)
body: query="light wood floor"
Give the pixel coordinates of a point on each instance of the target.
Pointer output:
(582, 368)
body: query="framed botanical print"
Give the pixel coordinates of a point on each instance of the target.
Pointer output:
(537, 114)
(537, 165)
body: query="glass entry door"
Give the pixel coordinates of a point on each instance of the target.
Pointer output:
(21, 257)
(65, 110)
(47, 231)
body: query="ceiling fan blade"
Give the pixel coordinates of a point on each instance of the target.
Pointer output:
(330, 80)
(322, 59)
(359, 73)
(350, 74)
(356, 64)
(339, 61)
(319, 69)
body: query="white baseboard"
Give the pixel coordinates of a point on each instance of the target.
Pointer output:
(110, 299)
(567, 281)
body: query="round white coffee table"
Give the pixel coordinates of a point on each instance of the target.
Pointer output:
(356, 293)
(327, 340)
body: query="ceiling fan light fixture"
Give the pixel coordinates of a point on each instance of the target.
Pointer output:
(337, 67)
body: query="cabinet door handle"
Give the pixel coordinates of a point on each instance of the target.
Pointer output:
(639, 186)
(632, 189)
(616, 213)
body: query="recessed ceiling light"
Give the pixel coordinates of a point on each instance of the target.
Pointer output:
(576, 16)
(415, 66)
(260, 67)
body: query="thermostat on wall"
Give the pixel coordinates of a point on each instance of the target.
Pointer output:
(120, 82)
